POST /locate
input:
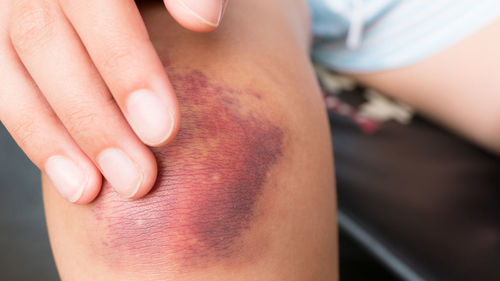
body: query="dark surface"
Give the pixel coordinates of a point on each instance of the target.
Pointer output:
(24, 246)
(357, 265)
(428, 195)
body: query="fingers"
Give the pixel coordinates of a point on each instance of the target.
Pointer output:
(115, 37)
(61, 68)
(197, 15)
(40, 133)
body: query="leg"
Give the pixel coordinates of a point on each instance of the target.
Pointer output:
(246, 190)
(459, 87)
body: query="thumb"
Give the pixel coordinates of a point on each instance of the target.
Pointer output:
(197, 15)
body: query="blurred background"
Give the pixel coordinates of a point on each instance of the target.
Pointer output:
(24, 246)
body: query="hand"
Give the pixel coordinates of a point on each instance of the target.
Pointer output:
(83, 91)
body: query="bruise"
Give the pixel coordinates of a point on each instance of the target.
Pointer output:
(210, 180)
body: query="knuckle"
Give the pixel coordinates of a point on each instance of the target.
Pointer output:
(32, 23)
(120, 56)
(121, 51)
(79, 120)
(84, 118)
(23, 131)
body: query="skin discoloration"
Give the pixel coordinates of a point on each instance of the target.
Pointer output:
(210, 180)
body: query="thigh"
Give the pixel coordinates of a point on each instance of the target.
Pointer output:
(458, 87)
(246, 190)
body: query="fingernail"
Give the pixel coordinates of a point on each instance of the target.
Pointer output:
(150, 117)
(207, 11)
(121, 172)
(67, 177)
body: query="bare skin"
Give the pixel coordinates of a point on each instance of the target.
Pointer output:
(459, 87)
(246, 189)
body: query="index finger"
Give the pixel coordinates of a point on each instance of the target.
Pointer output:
(116, 39)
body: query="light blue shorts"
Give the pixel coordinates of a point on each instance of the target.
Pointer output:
(371, 35)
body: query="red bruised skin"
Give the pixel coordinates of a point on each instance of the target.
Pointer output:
(210, 180)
